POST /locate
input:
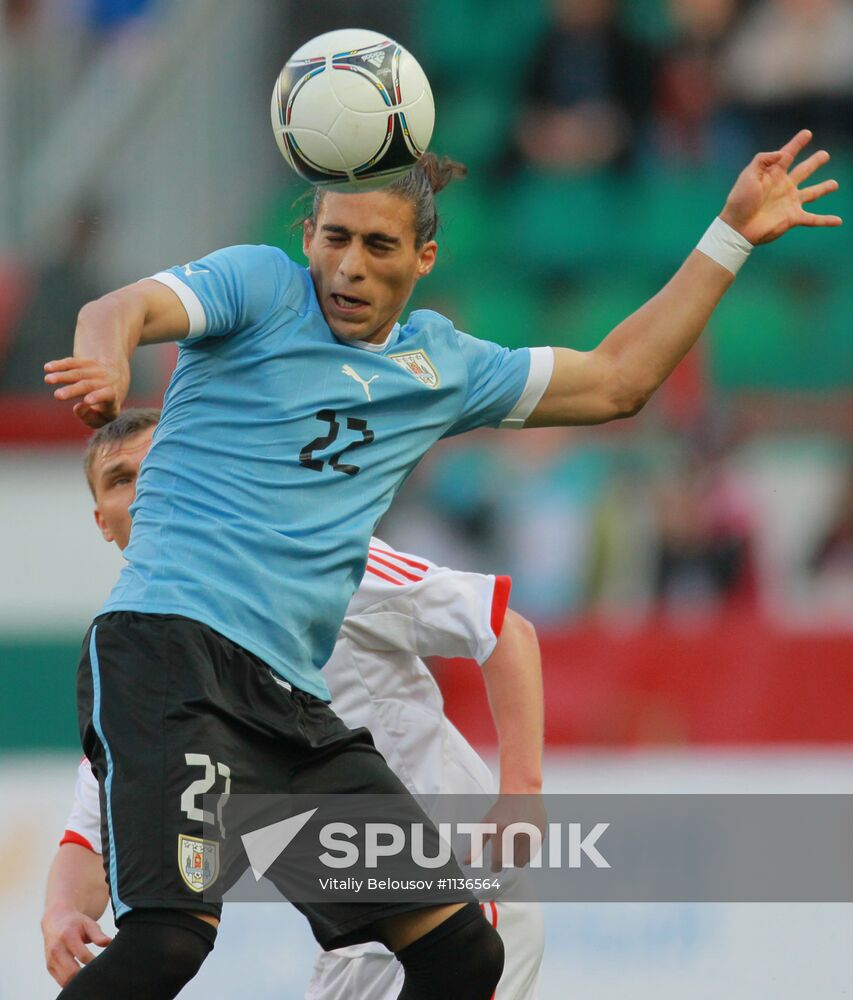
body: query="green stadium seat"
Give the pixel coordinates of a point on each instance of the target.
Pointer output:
(582, 316)
(556, 223)
(458, 42)
(788, 334)
(472, 126)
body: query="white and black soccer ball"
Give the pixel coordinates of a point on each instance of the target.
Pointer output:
(352, 108)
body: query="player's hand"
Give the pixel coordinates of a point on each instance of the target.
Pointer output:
(510, 809)
(103, 387)
(66, 935)
(767, 199)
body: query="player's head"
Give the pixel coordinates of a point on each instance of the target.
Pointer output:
(111, 464)
(366, 251)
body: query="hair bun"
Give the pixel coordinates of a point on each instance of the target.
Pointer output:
(440, 170)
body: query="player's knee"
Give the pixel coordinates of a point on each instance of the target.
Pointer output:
(485, 957)
(177, 942)
(154, 955)
(461, 959)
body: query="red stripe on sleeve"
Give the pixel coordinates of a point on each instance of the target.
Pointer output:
(73, 837)
(403, 559)
(383, 576)
(397, 569)
(500, 602)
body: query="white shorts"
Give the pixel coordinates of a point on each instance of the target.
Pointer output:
(373, 973)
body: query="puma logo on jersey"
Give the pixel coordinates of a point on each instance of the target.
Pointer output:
(349, 370)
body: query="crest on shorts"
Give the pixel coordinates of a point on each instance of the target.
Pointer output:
(198, 862)
(418, 364)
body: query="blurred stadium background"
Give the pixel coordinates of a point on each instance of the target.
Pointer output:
(691, 571)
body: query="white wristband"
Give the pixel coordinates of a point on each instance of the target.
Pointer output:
(724, 245)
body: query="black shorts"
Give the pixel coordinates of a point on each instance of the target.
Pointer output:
(170, 711)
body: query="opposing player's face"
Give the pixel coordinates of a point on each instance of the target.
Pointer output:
(114, 473)
(364, 262)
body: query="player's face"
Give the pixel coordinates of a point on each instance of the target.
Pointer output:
(364, 262)
(114, 474)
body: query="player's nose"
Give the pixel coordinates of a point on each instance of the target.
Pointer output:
(352, 263)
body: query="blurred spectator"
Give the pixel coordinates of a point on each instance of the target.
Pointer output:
(705, 526)
(790, 64)
(589, 87)
(546, 508)
(690, 124)
(46, 320)
(832, 563)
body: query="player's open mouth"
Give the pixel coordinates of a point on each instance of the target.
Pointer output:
(348, 304)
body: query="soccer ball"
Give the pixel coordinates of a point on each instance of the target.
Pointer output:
(353, 109)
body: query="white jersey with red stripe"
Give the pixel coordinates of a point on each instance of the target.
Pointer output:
(406, 608)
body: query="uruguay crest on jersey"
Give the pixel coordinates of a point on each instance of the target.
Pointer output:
(198, 862)
(417, 363)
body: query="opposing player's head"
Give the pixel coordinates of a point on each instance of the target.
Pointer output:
(367, 251)
(111, 464)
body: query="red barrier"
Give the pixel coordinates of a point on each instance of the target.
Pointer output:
(736, 680)
(29, 420)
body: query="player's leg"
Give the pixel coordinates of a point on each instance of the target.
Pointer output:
(152, 957)
(446, 949)
(365, 971)
(136, 676)
(522, 930)
(460, 956)
(373, 971)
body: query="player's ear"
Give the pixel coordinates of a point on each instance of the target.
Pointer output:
(426, 258)
(101, 522)
(307, 235)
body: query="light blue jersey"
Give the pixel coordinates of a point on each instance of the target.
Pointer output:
(280, 447)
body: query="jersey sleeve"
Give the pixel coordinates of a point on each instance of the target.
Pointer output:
(504, 386)
(83, 825)
(406, 603)
(229, 290)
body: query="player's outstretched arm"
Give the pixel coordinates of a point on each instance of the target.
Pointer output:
(76, 897)
(620, 375)
(513, 676)
(108, 331)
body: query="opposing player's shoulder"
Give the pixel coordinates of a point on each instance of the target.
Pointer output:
(387, 566)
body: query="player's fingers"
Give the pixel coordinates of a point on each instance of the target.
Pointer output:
(765, 160)
(810, 219)
(90, 415)
(95, 934)
(83, 955)
(792, 149)
(61, 965)
(67, 375)
(61, 363)
(817, 191)
(106, 394)
(81, 388)
(497, 852)
(801, 171)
